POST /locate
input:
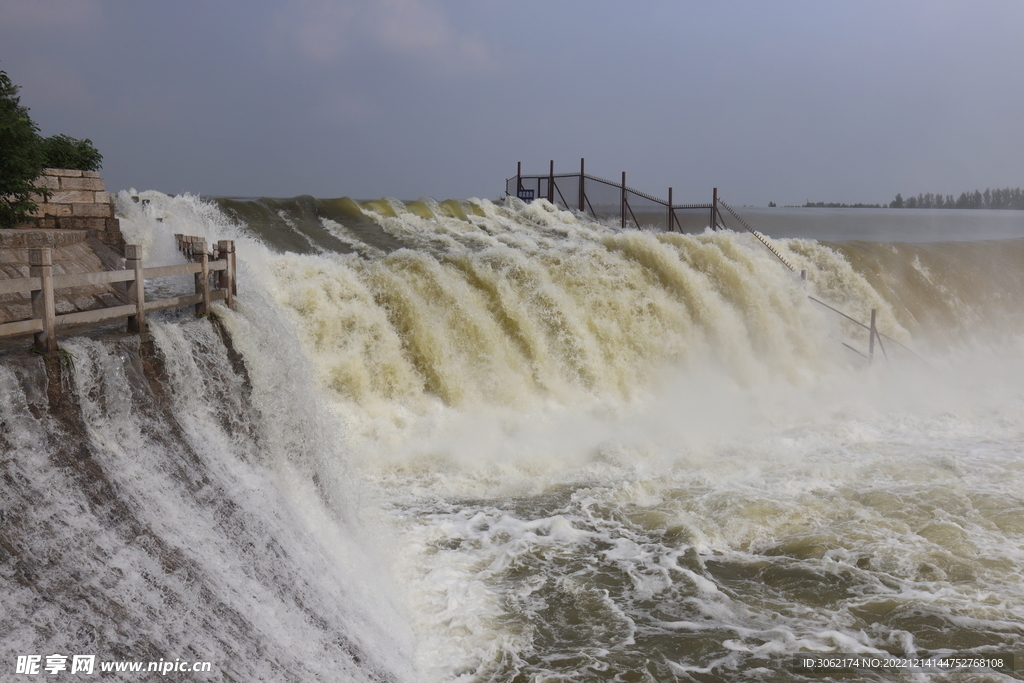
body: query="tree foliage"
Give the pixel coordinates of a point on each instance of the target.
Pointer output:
(1006, 198)
(840, 205)
(21, 156)
(24, 154)
(61, 151)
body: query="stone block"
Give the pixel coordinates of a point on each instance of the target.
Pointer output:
(101, 198)
(48, 223)
(94, 184)
(82, 223)
(98, 210)
(31, 236)
(48, 182)
(72, 197)
(36, 238)
(42, 256)
(90, 174)
(50, 209)
(113, 239)
(63, 172)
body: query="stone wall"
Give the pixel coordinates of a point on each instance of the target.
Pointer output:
(77, 201)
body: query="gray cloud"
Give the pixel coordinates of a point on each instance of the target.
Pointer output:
(75, 15)
(330, 31)
(783, 101)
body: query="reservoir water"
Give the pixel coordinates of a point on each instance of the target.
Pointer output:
(479, 441)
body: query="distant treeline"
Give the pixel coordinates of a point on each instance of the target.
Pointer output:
(989, 199)
(837, 205)
(1007, 198)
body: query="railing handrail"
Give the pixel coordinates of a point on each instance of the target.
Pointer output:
(41, 284)
(761, 238)
(617, 186)
(103, 277)
(874, 334)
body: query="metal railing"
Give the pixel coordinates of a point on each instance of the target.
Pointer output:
(603, 199)
(873, 334)
(550, 186)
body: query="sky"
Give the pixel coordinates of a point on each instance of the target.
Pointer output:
(783, 101)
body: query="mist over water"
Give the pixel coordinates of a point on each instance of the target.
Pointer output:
(589, 454)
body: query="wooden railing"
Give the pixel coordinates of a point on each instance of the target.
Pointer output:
(41, 284)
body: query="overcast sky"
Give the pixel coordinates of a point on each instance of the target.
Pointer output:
(784, 101)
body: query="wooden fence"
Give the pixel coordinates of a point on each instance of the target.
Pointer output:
(214, 281)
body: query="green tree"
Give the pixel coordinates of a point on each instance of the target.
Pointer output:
(61, 151)
(21, 157)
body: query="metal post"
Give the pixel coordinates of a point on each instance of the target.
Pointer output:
(669, 209)
(873, 331)
(519, 177)
(136, 289)
(227, 252)
(551, 182)
(40, 261)
(582, 195)
(622, 201)
(714, 209)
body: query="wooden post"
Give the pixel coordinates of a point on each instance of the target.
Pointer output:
(669, 209)
(202, 277)
(40, 261)
(218, 275)
(234, 269)
(582, 195)
(227, 281)
(622, 201)
(871, 333)
(190, 246)
(551, 182)
(136, 289)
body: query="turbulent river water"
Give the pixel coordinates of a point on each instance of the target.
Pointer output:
(479, 441)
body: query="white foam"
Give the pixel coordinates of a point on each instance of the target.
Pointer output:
(539, 403)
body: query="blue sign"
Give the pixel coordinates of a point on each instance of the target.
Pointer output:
(526, 195)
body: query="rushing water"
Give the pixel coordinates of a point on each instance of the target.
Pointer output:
(499, 442)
